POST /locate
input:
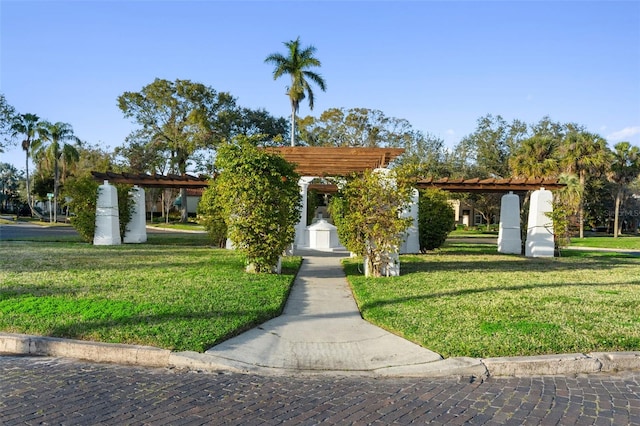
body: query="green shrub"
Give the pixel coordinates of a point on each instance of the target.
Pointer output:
(435, 219)
(260, 199)
(211, 215)
(82, 193)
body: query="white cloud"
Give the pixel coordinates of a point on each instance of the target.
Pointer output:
(625, 133)
(451, 132)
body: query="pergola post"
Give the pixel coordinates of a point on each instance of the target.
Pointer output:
(107, 232)
(137, 227)
(411, 242)
(301, 227)
(540, 226)
(509, 239)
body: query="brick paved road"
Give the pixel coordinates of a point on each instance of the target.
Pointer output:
(61, 391)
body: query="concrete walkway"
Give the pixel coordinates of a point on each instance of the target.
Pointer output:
(320, 329)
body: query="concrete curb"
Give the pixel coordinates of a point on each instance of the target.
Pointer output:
(23, 344)
(147, 356)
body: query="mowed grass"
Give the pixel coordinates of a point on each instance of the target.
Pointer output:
(469, 300)
(167, 293)
(622, 242)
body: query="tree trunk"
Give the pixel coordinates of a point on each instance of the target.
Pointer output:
(581, 207)
(29, 203)
(293, 126)
(616, 216)
(55, 190)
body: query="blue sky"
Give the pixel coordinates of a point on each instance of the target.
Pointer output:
(440, 65)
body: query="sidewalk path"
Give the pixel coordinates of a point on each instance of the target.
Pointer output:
(320, 329)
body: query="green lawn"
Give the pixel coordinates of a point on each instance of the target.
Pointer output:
(178, 293)
(622, 242)
(468, 300)
(168, 293)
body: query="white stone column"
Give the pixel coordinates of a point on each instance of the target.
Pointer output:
(301, 239)
(136, 231)
(107, 232)
(540, 227)
(411, 243)
(509, 239)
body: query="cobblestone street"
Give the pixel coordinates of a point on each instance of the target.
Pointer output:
(62, 391)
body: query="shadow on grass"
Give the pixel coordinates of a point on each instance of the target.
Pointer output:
(471, 291)
(165, 323)
(413, 264)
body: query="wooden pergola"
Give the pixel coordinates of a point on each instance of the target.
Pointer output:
(338, 162)
(489, 185)
(153, 181)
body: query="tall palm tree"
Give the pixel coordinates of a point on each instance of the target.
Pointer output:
(583, 153)
(625, 168)
(296, 64)
(59, 151)
(28, 125)
(536, 157)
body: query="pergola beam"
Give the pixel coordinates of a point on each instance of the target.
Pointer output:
(153, 181)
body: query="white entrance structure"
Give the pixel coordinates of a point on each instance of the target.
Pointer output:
(107, 232)
(509, 238)
(340, 162)
(540, 227)
(539, 241)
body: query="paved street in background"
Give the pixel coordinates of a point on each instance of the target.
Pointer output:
(26, 230)
(63, 391)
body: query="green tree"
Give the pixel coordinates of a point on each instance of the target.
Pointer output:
(28, 126)
(59, 152)
(297, 64)
(565, 202)
(367, 211)
(535, 157)
(9, 179)
(181, 117)
(435, 218)
(7, 117)
(260, 200)
(487, 150)
(584, 154)
(624, 169)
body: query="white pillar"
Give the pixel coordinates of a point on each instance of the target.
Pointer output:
(107, 231)
(301, 239)
(509, 239)
(540, 227)
(136, 231)
(411, 243)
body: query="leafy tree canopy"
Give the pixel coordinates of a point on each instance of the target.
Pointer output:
(180, 116)
(486, 151)
(7, 115)
(361, 127)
